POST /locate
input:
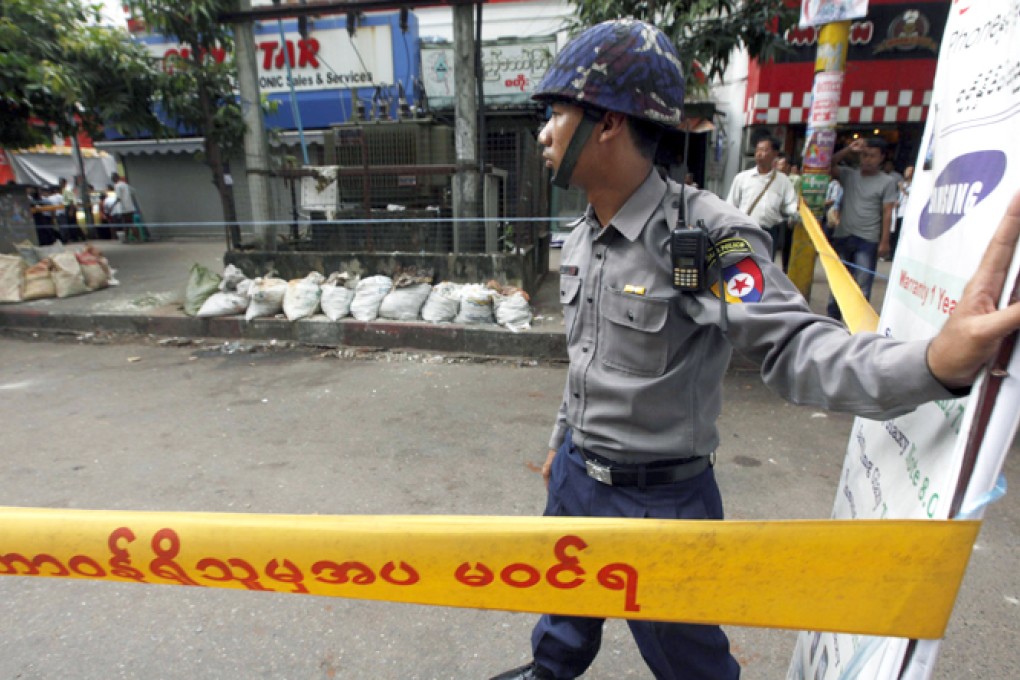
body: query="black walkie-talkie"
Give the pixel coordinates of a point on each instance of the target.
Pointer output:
(688, 249)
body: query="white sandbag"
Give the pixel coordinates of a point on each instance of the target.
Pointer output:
(266, 297)
(337, 295)
(67, 276)
(336, 302)
(12, 278)
(302, 297)
(224, 304)
(443, 303)
(513, 311)
(94, 268)
(232, 276)
(476, 304)
(404, 304)
(39, 282)
(368, 296)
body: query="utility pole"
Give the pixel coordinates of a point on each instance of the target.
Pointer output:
(830, 65)
(466, 185)
(256, 148)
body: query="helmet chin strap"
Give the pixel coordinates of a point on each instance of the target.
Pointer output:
(581, 134)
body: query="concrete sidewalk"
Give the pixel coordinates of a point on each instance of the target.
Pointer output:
(153, 277)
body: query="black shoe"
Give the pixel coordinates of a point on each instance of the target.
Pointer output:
(530, 672)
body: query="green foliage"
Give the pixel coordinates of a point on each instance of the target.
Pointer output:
(198, 90)
(55, 61)
(704, 31)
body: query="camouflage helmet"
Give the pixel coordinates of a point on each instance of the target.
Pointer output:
(623, 65)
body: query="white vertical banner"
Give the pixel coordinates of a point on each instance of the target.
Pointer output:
(911, 467)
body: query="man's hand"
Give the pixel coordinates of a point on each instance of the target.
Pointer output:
(547, 466)
(858, 145)
(884, 248)
(976, 328)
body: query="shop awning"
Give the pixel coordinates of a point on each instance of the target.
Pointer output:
(136, 147)
(140, 147)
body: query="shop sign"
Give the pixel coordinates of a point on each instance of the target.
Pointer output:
(327, 59)
(511, 70)
(898, 31)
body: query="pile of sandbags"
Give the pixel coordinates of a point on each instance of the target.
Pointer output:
(408, 297)
(53, 271)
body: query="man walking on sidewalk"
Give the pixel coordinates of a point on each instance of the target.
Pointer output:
(869, 197)
(765, 193)
(123, 207)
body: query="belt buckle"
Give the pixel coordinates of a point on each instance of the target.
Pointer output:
(598, 472)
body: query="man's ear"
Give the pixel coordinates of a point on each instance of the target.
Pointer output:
(613, 124)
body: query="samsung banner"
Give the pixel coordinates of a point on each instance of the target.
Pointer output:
(942, 460)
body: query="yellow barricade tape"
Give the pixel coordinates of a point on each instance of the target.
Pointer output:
(858, 314)
(895, 577)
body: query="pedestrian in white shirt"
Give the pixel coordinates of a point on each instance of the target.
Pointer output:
(765, 194)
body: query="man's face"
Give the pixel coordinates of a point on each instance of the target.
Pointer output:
(871, 159)
(557, 132)
(764, 155)
(782, 166)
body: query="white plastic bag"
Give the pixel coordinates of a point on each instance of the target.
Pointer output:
(368, 296)
(224, 304)
(404, 304)
(476, 304)
(266, 297)
(443, 303)
(513, 311)
(337, 295)
(302, 297)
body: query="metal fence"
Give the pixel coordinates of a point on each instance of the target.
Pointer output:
(391, 187)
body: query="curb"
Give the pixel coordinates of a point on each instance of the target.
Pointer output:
(488, 341)
(493, 340)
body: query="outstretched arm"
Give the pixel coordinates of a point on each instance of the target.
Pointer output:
(977, 327)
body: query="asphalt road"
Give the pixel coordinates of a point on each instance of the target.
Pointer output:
(147, 427)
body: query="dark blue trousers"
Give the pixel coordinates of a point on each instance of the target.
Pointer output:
(567, 645)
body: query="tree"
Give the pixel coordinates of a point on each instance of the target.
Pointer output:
(705, 32)
(61, 72)
(197, 93)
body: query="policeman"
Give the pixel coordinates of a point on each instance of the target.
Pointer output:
(636, 432)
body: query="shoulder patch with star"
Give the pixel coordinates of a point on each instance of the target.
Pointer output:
(743, 281)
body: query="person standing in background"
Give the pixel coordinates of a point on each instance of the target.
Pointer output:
(123, 208)
(766, 194)
(70, 221)
(869, 196)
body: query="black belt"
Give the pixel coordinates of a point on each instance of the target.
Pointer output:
(611, 473)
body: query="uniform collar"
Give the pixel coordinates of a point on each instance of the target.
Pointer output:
(638, 209)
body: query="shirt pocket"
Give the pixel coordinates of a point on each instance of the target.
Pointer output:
(569, 288)
(634, 342)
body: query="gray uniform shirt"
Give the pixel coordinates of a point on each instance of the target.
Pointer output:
(647, 362)
(863, 198)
